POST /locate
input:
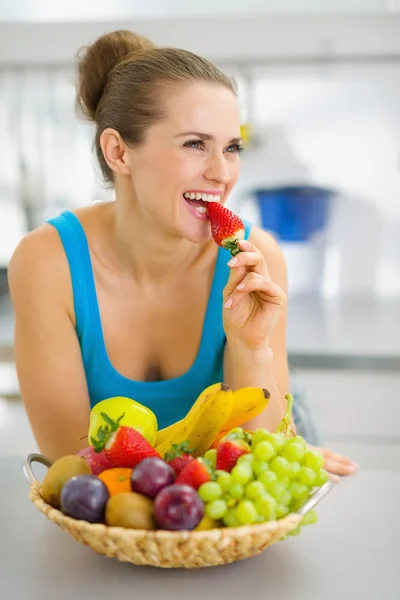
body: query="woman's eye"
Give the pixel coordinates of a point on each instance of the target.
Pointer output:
(235, 148)
(196, 144)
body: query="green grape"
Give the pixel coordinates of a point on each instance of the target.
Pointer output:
(281, 510)
(266, 505)
(267, 478)
(307, 476)
(260, 435)
(259, 466)
(285, 498)
(230, 519)
(216, 509)
(277, 490)
(242, 473)
(211, 490)
(310, 518)
(298, 439)
(254, 489)
(211, 456)
(321, 478)
(314, 459)
(224, 479)
(237, 432)
(278, 441)
(260, 519)
(295, 531)
(246, 512)
(298, 491)
(293, 451)
(236, 491)
(264, 451)
(245, 458)
(230, 500)
(280, 466)
(296, 504)
(294, 470)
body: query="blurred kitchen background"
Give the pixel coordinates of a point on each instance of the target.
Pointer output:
(320, 97)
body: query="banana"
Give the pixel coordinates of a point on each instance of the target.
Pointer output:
(198, 407)
(247, 403)
(207, 429)
(203, 422)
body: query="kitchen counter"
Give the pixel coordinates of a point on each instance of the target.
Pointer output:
(352, 552)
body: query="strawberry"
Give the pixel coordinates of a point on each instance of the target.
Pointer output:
(228, 451)
(98, 462)
(194, 474)
(226, 227)
(179, 456)
(122, 445)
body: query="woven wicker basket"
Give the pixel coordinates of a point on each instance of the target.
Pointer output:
(170, 549)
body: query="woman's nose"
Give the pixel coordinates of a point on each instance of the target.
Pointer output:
(217, 169)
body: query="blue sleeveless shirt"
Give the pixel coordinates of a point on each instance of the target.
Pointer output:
(170, 399)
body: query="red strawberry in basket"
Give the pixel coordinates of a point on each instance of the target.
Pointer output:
(122, 445)
(228, 451)
(226, 227)
(194, 474)
(179, 456)
(98, 462)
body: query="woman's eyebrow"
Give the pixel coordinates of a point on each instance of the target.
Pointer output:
(209, 137)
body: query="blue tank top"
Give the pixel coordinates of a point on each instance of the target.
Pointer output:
(171, 399)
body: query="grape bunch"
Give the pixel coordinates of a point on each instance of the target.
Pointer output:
(273, 478)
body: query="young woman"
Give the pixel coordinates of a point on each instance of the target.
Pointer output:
(133, 297)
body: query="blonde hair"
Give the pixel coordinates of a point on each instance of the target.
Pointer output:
(121, 77)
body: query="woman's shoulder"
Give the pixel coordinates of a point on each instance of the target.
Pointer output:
(38, 266)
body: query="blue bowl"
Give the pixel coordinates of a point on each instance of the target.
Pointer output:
(294, 213)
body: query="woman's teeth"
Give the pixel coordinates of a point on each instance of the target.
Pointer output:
(201, 209)
(201, 196)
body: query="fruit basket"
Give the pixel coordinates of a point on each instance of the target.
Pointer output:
(170, 549)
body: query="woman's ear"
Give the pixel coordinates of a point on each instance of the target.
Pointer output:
(115, 151)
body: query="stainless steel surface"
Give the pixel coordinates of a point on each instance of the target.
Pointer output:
(352, 552)
(27, 466)
(316, 498)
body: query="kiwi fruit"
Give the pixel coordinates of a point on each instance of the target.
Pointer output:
(61, 471)
(130, 510)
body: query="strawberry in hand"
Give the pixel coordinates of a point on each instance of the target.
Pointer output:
(226, 227)
(122, 445)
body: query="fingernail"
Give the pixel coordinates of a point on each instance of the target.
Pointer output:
(232, 262)
(242, 242)
(352, 469)
(240, 286)
(355, 466)
(228, 303)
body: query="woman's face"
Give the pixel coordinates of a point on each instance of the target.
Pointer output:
(188, 159)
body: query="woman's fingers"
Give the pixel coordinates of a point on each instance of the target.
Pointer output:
(337, 464)
(252, 259)
(267, 290)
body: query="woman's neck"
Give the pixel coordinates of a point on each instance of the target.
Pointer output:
(147, 251)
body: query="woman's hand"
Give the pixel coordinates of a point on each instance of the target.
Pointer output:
(252, 301)
(336, 464)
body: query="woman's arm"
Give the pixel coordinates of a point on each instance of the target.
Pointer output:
(47, 353)
(256, 352)
(267, 365)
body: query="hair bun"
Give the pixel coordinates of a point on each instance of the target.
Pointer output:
(95, 62)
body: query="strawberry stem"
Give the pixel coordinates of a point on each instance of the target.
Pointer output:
(284, 425)
(178, 450)
(105, 432)
(232, 246)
